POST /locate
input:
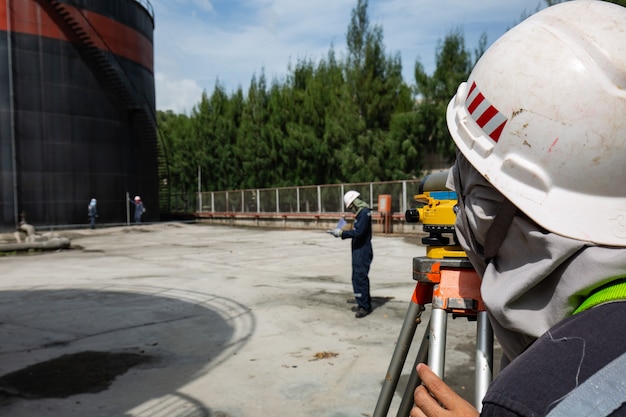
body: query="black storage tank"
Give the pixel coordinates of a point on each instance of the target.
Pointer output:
(77, 110)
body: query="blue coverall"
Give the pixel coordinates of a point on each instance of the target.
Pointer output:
(139, 209)
(362, 255)
(92, 213)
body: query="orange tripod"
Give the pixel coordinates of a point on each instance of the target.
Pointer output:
(452, 286)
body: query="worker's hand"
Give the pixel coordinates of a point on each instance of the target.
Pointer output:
(336, 232)
(435, 399)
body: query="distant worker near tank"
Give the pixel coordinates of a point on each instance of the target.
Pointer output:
(92, 213)
(362, 252)
(139, 208)
(25, 231)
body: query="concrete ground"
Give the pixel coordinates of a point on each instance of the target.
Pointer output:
(235, 322)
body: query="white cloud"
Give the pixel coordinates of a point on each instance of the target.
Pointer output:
(178, 95)
(205, 5)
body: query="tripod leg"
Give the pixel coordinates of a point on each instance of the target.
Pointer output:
(437, 348)
(484, 357)
(407, 399)
(397, 360)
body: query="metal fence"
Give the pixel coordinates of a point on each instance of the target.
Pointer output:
(313, 199)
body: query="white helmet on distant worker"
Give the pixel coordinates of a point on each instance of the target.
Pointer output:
(542, 118)
(349, 197)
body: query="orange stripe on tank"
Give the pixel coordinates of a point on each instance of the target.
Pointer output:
(28, 17)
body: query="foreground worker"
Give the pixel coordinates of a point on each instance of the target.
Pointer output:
(540, 128)
(362, 252)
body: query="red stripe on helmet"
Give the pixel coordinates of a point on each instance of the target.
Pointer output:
(495, 135)
(471, 88)
(479, 99)
(487, 116)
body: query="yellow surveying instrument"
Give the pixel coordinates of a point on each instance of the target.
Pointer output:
(447, 280)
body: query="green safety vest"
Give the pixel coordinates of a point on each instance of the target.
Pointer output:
(613, 291)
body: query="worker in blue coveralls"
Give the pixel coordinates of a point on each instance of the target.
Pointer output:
(92, 213)
(362, 253)
(139, 209)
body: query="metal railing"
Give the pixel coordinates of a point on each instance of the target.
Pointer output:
(312, 199)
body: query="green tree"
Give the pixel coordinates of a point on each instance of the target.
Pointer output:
(216, 121)
(179, 139)
(405, 132)
(453, 66)
(375, 85)
(257, 154)
(375, 79)
(342, 121)
(306, 99)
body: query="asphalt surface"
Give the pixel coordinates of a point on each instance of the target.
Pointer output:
(234, 322)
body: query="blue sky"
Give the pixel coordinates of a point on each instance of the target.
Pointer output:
(198, 42)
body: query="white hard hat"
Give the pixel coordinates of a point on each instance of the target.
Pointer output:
(349, 197)
(543, 118)
(137, 197)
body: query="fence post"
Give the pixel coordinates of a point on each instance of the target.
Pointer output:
(341, 199)
(298, 199)
(127, 209)
(404, 198)
(319, 199)
(199, 189)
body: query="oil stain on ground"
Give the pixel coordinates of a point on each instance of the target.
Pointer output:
(67, 375)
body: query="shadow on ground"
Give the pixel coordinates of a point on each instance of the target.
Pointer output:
(70, 342)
